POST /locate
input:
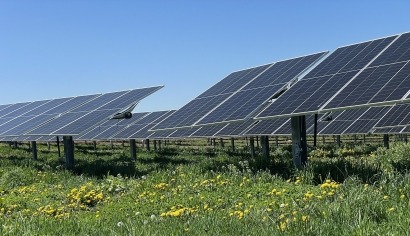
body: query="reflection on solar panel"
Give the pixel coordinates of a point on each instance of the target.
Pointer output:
(238, 95)
(398, 115)
(93, 112)
(330, 77)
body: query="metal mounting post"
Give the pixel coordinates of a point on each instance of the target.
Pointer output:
(299, 146)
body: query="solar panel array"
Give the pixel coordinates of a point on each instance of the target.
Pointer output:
(239, 94)
(73, 114)
(318, 87)
(92, 112)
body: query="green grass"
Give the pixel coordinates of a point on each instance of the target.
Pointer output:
(354, 190)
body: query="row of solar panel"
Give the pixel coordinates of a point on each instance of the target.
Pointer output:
(359, 121)
(66, 116)
(364, 74)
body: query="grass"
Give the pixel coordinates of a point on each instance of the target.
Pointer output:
(353, 190)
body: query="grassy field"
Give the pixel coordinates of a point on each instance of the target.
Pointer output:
(362, 190)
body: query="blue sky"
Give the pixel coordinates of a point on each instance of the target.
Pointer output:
(51, 49)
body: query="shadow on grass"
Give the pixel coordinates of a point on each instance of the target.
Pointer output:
(341, 169)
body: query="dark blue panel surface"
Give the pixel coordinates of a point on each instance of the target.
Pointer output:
(234, 81)
(84, 123)
(26, 109)
(183, 133)
(208, 131)
(399, 51)
(397, 115)
(235, 128)
(57, 123)
(26, 124)
(191, 112)
(241, 104)
(267, 127)
(12, 108)
(330, 77)
(70, 104)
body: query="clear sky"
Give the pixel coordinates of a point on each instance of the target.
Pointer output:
(60, 48)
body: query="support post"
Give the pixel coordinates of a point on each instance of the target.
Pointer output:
(386, 141)
(58, 147)
(257, 142)
(405, 138)
(69, 151)
(364, 139)
(34, 149)
(15, 145)
(147, 145)
(277, 141)
(265, 151)
(95, 145)
(123, 144)
(324, 140)
(221, 142)
(155, 145)
(133, 150)
(29, 146)
(159, 145)
(315, 132)
(214, 142)
(354, 139)
(48, 146)
(233, 144)
(299, 146)
(338, 140)
(252, 146)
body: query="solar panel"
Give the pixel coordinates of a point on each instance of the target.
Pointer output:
(238, 95)
(139, 129)
(267, 127)
(93, 112)
(235, 129)
(33, 114)
(398, 115)
(339, 81)
(358, 121)
(406, 130)
(208, 131)
(183, 133)
(12, 108)
(110, 127)
(389, 130)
